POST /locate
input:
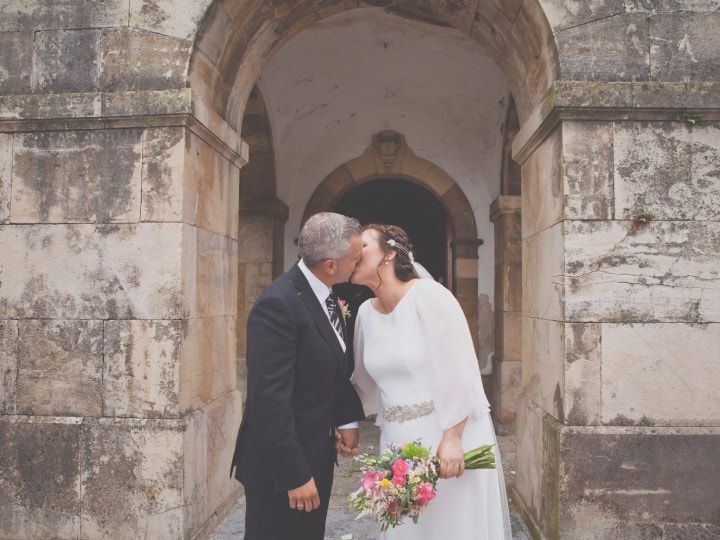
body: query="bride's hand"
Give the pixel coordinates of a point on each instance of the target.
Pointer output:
(452, 458)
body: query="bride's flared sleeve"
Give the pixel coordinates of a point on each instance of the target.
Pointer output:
(362, 381)
(451, 361)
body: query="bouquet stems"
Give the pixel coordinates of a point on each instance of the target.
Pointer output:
(481, 457)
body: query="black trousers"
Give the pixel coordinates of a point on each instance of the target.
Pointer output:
(269, 517)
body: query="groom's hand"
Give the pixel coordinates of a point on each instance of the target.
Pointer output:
(347, 441)
(305, 498)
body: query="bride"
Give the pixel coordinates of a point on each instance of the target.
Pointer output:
(415, 366)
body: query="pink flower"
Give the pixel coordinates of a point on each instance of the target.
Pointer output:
(400, 470)
(371, 478)
(424, 493)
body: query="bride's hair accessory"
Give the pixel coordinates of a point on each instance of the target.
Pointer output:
(393, 244)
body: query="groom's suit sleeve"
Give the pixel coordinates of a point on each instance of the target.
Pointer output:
(272, 337)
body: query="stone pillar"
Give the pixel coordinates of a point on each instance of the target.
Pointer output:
(118, 287)
(464, 261)
(261, 259)
(507, 372)
(619, 413)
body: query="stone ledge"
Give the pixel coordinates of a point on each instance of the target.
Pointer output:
(504, 204)
(105, 110)
(608, 101)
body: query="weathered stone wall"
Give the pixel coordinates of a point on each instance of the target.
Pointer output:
(119, 242)
(621, 261)
(118, 286)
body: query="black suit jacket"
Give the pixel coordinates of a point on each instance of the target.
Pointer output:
(298, 389)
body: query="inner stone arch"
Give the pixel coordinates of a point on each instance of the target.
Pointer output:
(389, 158)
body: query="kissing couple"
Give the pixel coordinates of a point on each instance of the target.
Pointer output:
(414, 367)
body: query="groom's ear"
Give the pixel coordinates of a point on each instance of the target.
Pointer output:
(330, 266)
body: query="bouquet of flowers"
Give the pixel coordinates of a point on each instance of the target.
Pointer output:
(402, 481)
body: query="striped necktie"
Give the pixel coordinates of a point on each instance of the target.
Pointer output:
(334, 312)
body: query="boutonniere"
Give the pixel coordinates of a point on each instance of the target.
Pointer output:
(344, 308)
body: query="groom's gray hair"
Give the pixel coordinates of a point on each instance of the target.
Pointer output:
(327, 235)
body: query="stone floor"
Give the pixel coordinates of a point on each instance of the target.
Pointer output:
(341, 521)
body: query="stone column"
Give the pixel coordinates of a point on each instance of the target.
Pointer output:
(118, 287)
(619, 413)
(464, 261)
(507, 372)
(261, 259)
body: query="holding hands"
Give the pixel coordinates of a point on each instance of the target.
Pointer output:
(346, 441)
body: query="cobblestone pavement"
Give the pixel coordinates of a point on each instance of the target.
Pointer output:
(341, 521)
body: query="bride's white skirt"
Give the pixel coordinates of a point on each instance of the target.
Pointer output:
(472, 507)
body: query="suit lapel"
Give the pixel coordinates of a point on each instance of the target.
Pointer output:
(318, 314)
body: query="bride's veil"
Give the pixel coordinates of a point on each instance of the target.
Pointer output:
(421, 271)
(424, 274)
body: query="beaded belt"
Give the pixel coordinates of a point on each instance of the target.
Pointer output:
(405, 413)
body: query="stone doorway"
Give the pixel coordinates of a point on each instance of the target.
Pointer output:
(390, 159)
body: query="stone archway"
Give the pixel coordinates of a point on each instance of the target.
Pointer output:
(389, 156)
(119, 165)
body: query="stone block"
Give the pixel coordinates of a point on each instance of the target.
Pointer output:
(8, 365)
(529, 454)
(651, 477)
(583, 385)
(60, 368)
(91, 271)
(210, 266)
(212, 39)
(137, 59)
(623, 272)
(660, 374)
(542, 185)
(16, 62)
(6, 143)
(207, 371)
(434, 177)
(667, 169)
(457, 13)
(223, 420)
(132, 478)
(31, 15)
(562, 14)
(684, 46)
(179, 19)
(655, 6)
(257, 277)
(459, 212)
(195, 484)
(211, 189)
(543, 362)
(255, 239)
(490, 29)
(509, 336)
(588, 170)
(508, 285)
(543, 267)
(508, 235)
(40, 477)
(162, 174)
(612, 49)
(66, 61)
(141, 373)
(76, 176)
(509, 380)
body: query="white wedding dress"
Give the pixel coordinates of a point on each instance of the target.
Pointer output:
(419, 353)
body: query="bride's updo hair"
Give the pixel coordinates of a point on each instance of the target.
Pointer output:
(402, 263)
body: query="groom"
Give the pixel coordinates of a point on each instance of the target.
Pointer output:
(301, 407)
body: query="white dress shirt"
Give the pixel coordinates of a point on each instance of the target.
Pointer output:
(322, 291)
